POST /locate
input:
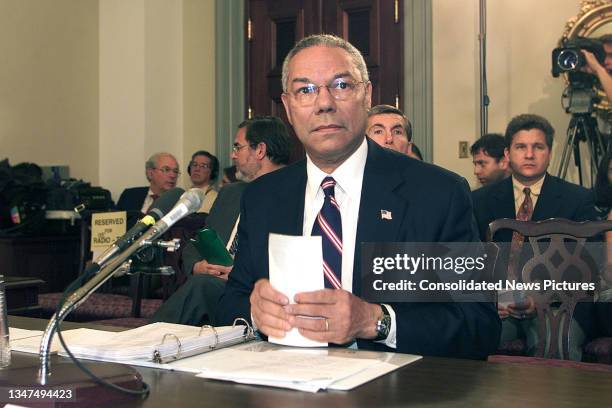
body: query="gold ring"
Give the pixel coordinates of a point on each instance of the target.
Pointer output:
(326, 325)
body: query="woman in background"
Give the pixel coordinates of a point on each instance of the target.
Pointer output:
(203, 170)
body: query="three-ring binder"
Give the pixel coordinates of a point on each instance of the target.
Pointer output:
(161, 357)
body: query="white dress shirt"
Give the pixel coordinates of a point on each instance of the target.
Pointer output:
(519, 194)
(349, 180)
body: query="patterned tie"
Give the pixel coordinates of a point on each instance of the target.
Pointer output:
(525, 211)
(329, 226)
(524, 214)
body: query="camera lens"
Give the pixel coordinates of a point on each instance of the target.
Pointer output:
(568, 60)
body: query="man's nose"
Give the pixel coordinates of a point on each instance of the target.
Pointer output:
(325, 102)
(388, 138)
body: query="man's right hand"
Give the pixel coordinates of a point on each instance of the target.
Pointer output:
(205, 268)
(267, 310)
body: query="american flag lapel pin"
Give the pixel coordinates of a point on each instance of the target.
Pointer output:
(385, 215)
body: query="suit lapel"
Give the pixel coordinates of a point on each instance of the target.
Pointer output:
(549, 200)
(502, 206)
(503, 200)
(383, 196)
(289, 201)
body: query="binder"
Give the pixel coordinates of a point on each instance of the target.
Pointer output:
(158, 343)
(160, 357)
(211, 248)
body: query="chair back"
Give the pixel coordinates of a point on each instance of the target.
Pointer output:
(556, 250)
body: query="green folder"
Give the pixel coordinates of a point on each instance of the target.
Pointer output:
(210, 246)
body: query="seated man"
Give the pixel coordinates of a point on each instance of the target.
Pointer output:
(530, 194)
(162, 171)
(327, 94)
(261, 145)
(490, 161)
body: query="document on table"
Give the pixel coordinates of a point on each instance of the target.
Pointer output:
(296, 265)
(28, 341)
(301, 369)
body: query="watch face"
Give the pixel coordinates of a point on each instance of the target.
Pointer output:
(383, 326)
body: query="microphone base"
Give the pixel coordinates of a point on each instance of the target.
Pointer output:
(19, 384)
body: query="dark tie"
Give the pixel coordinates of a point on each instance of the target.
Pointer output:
(329, 226)
(154, 197)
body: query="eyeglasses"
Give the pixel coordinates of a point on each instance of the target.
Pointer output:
(236, 147)
(340, 89)
(167, 170)
(202, 166)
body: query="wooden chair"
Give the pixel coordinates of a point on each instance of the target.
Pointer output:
(555, 247)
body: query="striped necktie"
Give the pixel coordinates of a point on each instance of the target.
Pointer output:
(329, 226)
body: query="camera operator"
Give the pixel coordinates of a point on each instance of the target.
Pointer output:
(603, 73)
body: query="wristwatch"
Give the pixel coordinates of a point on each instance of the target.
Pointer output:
(383, 325)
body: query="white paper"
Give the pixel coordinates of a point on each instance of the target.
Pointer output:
(293, 369)
(296, 265)
(31, 343)
(508, 297)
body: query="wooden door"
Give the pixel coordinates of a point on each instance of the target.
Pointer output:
(273, 27)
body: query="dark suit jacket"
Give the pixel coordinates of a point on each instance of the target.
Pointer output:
(225, 210)
(558, 199)
(131, 199)
(428, 204)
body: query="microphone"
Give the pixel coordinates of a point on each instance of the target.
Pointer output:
(158, 209)
(190, 202)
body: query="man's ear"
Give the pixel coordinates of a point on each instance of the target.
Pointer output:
(261, 150)
(504, 162)
(368, 95)
(285, 100)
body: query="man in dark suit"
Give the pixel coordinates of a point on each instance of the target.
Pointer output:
(162, 172)
(261, 145)
(529, 139)
(327, 95)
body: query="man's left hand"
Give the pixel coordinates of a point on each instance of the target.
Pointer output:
(342, 316)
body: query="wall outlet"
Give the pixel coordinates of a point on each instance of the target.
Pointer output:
(463, 150)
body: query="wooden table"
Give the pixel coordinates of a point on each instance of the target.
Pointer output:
(430, 382)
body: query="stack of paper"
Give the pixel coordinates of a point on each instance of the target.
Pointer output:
(309, 370)
(282, 368)
(28, 341)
